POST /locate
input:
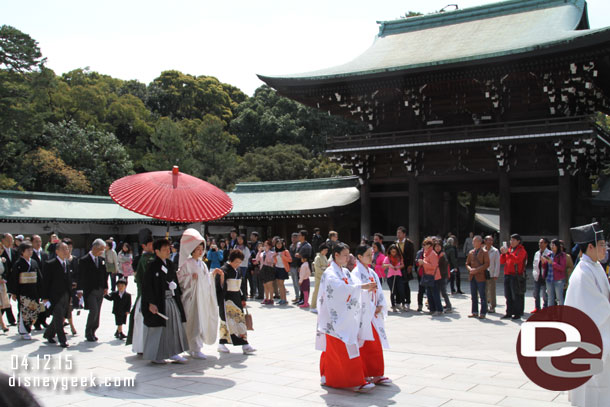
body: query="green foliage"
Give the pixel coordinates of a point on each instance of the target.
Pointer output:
(284, 162)
(18, 51)
(183, 96)
(50, 173)
(97, 153)
(80, 131)
(267, 119)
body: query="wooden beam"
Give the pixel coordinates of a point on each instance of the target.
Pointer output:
(365, 210)
(540, 188)
(565, 209)
(397, 194)
(414, 211)
(504, 187)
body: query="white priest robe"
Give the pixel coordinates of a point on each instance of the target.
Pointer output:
(370, 301)
(589, 291)
(339, 309)
(200, 305)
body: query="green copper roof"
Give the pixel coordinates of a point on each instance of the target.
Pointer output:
(297, 185)
(249, 199)
(508, 28)
(38, 206)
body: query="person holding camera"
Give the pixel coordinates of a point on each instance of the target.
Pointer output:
(215, 256)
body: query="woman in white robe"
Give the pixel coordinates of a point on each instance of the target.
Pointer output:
(198, 293)
(589, 291)
(372, 337)
(339, 319)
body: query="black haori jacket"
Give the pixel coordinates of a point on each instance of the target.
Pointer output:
(154, 284)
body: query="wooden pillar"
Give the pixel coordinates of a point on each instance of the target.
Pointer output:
(365, 209)
(565, 209)
(414, 211)
(504, 186)
(446, 213)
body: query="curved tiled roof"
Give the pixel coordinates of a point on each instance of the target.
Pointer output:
(479, 34)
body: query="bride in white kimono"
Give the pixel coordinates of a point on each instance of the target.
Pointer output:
(198, 293)
(589, 291)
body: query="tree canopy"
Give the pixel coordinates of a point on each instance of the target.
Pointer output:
(79, 131)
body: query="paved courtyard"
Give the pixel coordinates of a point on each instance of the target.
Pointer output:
(449, 361)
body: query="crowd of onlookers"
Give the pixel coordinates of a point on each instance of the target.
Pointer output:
(268, 263)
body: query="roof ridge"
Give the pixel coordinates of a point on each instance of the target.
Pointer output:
(53, 196)
(502, 8)
(297, 185)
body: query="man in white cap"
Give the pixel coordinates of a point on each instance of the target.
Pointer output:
(589, 291)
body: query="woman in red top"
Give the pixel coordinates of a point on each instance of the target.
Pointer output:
(514, 259)
(430, 264)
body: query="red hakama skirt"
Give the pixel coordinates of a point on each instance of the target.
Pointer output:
(371, 354)
(340, 371)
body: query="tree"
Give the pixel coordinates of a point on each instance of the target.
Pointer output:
(47, 172)
(97, 153)
(18, 51)
(181, 96)
(267, 119)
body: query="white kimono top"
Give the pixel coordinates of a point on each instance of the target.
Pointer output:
(339, 309)
(589, 291)
(199, 301)
(370, 301)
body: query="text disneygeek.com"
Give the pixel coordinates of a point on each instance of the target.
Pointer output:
(34, 373)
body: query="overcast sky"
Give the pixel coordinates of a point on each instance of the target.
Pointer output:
(232, 40)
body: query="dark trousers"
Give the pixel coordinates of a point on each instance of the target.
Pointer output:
(94, 302)
(434, 297)
(478, 289)
(420, 293)
(259, 284)
(251, 283)
(540, 285)
(396, 290)
(243, 271)
(406, 299)
(443, 288)
(56, 327)
(514, 300)
(455, 280)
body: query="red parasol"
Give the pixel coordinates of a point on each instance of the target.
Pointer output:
(171, 196)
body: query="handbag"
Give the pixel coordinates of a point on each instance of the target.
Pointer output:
(249, 323)
(487, 275)
(427, 280)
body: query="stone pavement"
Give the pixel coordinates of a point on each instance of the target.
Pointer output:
(449, 361)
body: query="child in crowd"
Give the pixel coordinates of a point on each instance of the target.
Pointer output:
(121, 300)
(304, 273)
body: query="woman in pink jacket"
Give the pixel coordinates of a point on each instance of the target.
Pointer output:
(432, 277)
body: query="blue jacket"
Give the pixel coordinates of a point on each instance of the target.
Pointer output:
(215, 258)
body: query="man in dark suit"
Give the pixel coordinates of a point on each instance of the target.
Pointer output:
(41, 258)
(11, 256)
(93, 285)
(407, 251)
(57, 283)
